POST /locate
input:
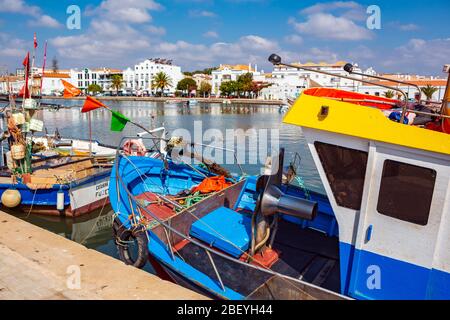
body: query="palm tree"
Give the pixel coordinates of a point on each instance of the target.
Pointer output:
(116, 83)
(389, 94)
(429, 91)
(161, 81)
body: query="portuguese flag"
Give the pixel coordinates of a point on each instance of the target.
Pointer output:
(118, 121)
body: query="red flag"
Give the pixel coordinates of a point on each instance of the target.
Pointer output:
(35, 41)
(26, 61)
(70, 90)
(91, 104)
(24, 92)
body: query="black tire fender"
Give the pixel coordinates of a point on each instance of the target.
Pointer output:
(123, 237)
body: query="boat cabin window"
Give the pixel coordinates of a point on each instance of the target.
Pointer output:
(345, 169)
(406, 192)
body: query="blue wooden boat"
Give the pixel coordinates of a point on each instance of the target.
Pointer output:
(206, 245)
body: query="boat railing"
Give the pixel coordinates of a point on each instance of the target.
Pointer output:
(301, 286)
(160, 144)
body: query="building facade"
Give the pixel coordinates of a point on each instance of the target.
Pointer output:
(227, 72)
(100, 76)
(140, 77)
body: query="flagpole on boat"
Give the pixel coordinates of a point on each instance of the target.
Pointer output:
(43, 67)
(90, 134)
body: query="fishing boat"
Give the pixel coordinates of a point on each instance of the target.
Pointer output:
(380, 232)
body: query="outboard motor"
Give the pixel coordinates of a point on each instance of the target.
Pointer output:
(273, 200)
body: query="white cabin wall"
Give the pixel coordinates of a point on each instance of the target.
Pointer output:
(347, 218)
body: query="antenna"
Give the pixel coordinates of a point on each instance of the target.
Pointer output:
(276, 60)
(350, 69)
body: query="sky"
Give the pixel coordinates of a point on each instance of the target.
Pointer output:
(413, 36)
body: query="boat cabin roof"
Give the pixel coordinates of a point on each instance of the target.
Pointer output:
(340, 112)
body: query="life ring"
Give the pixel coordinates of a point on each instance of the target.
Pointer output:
(124, 237)
(134, 148)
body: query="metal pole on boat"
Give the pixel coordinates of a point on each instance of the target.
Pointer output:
(445, 109)
(350, 69)
(90, 134)
(276, 60)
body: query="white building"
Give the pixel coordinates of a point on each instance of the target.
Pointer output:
(289, 82)
(11, 83)
(411, 91)
(51, 83)
(231, 73)
(199, 78)
(140, 77)
(101, 76)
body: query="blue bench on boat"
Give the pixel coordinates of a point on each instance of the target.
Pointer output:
(224, 229)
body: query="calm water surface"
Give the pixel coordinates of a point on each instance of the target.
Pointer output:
(94, 230)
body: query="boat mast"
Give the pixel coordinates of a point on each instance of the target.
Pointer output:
(445, 109)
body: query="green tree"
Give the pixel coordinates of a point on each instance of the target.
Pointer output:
(116, 83)
(205, 89)
(429, 91)
(228, 87)
(94, 88)
(245, 83)
(389, 94)
(204, 71)
(161, 81)
(187, 84)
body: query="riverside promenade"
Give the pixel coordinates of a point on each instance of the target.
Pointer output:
(38, 264)
(169, 100)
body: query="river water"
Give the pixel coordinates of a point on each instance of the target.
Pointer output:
(94, 230)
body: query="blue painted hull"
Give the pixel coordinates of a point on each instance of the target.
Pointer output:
(44, 201)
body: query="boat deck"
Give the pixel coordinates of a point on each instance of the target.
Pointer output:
(304, 254)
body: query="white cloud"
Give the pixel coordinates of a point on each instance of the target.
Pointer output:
(250, 48)
(293, 39)
(347, 9)
(111, 35)
(20, 6)
(409, 27)
(201, 14)
(419, 55)
(328, 26)
(12, 49)
(45, 21)
(157, 31)
(211, 34)
(128, 11)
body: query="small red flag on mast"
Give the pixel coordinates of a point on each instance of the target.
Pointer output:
(35, 41)
(92, 104)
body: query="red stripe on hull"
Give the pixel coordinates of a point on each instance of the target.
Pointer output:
(52, 211)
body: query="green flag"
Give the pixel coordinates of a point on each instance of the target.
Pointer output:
(118, 121)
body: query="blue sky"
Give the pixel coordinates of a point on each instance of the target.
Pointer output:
(414, 35)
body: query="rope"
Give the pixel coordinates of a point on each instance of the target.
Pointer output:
(32, 203)
(302, 185)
